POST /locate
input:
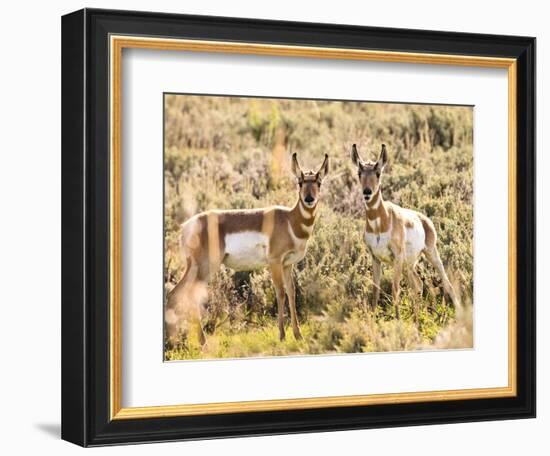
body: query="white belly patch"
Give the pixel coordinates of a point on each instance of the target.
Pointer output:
(415, 241)
(379, 245)
(246, 251)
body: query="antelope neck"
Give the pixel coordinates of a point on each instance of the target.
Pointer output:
(377, 214)
(302, 219)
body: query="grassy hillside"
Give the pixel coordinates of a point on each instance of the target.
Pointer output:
(224, 153)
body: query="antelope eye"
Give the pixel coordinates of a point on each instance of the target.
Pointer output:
(378, 174)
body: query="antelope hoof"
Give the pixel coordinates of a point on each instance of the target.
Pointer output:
(297, 334)
(281, 335)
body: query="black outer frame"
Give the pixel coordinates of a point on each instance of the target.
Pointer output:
(85, 227)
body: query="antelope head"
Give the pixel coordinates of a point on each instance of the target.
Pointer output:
(309, 182)
(369, 172)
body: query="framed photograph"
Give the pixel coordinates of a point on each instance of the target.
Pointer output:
(279, 227)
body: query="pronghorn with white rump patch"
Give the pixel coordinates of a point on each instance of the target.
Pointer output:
(245, 240)
(394, 234)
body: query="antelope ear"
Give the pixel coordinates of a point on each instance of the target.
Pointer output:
(296, 170)
(355, 156)
(323, 170)
(383, 159)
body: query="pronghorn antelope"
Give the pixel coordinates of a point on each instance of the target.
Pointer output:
(394, 234)
(245, 240)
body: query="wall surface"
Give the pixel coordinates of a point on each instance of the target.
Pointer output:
(30, 193)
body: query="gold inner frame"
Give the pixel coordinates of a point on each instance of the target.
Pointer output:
(117, 44)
